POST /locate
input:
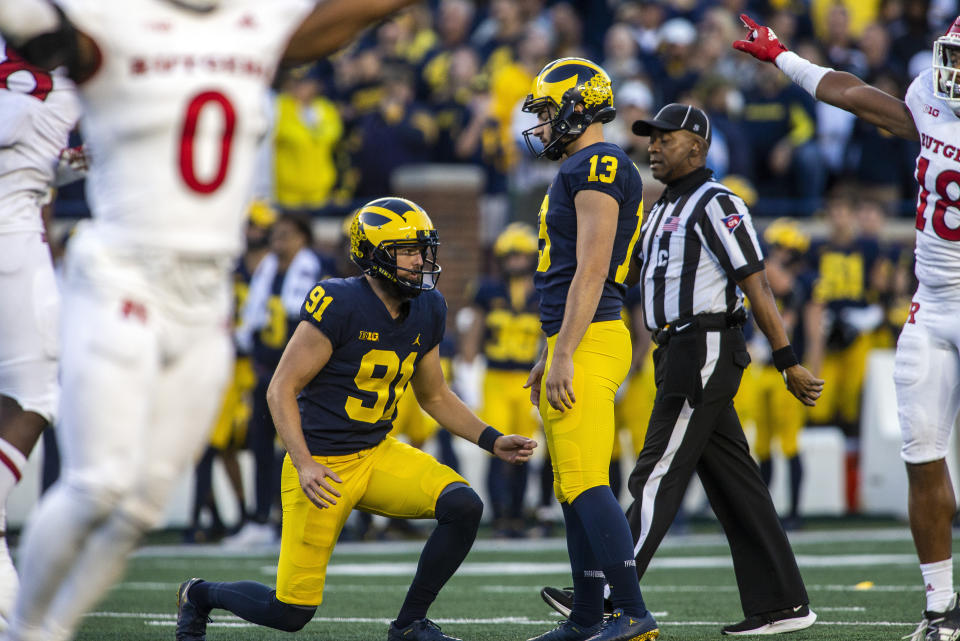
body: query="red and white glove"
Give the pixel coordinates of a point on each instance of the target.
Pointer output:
(761, 42)
(72, 165)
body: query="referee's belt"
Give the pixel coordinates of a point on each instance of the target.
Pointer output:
(702, 322)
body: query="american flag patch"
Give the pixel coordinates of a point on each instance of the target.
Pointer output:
(671, 223)
(732, 221)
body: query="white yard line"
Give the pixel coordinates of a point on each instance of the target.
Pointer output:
(166, 619)
(522, 545)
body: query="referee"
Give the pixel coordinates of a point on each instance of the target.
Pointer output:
(697, 256)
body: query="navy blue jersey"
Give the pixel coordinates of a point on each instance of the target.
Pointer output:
(511, 324)
(604, 167)
(351, 403)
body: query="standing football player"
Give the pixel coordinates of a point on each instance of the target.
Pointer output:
(506, 330)
(589, 224)
(927, 366)
(334, 397)
(172, 93)
(39, 111)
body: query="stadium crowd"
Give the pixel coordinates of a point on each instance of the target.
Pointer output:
(443, 82)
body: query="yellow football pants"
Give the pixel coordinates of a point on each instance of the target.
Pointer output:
(392, 479)
(580, 440)
(506, 404)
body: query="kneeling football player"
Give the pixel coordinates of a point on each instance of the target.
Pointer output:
(333, 399)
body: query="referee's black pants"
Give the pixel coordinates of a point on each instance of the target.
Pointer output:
(705, 367)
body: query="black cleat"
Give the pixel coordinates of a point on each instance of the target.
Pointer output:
(568, 631)
(419, 630)
(944, 626)
(561, 600)
(191, 621)
(776, 622)
(625, 627)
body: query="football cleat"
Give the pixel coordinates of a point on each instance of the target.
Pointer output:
(625, 627)
(191, 620)
(568, 631)
(775, 622)
(419, 630)
(561, 600)
(944, 626)
(920, 634)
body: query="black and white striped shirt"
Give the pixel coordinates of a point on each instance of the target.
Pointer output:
(696, 243)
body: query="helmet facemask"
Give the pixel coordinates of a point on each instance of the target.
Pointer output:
(408, 283)
(566, 125)
(946, 69)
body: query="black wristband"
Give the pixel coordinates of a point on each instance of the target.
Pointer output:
(784, 358)
(488, 437)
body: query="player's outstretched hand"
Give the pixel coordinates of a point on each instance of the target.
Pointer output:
(514, 448)
(802, 384)
(315, 480)
(761, 43)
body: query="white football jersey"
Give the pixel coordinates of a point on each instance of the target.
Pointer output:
(37, 112)
(174, 114)
(938, 176)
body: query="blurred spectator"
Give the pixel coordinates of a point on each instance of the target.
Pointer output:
(567, 32)
(497, 37)
(634, 102)
(875, 44)
(308, 126)
(454, 21)
(763, 398)
(715, 31)
(891, 278)
(271, 313)
(840, 322)
(455, 104)
(838, 44)
(910, 34)
(398, 132)
(673, 69)
(506, 332)
(620, 55)
(857, 15)
(882, 163)
(779, 125)
(645, 17)
(729, 151)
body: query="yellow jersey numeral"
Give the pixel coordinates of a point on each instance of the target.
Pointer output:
(317, 302)
(368, 381)
(610, 169)
(543, 264)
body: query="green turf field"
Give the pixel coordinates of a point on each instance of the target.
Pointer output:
(690, 587)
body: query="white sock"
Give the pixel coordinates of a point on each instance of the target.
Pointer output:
(100, 565)
(9, 583)
(938, 579)
(51, 544)
(12, 464)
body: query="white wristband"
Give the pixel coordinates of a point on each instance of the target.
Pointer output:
(802, 71)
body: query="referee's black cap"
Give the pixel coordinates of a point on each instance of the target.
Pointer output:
(673, 117)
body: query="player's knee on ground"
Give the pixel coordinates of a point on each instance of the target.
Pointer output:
(458, 503)
(291, 618)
